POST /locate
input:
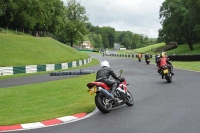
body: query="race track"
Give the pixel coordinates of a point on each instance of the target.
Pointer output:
(160, 107)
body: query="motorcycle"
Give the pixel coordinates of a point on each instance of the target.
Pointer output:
(147, 61)
(104, 99)
(166, 73)
(139, 59)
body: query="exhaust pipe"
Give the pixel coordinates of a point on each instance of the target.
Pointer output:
(105, 92)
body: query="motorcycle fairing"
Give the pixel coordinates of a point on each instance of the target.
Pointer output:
(101, 84)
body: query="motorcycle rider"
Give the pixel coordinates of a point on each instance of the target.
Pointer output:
(147, 56)
(139, 56)
(164, 61)
(104, 73)
(157, 59)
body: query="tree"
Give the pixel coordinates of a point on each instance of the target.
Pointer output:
(126, 39)
(9, 10)
(110, 32)
(75, 27)
(178, 23)
(95, 39)
(1, 7)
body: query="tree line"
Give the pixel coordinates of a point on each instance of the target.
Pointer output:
(67, 21)
(180, 21)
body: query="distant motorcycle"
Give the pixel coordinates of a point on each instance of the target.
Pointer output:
(139, 57)
(166, 73)
(147, 61)
(103, 96)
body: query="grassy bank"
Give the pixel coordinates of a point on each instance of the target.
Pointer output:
(19, 50)
(182, 49)
(148, 49)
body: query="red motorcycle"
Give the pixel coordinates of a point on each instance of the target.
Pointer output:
(104, 99)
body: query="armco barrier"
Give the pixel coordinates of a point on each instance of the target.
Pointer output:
(39, 68)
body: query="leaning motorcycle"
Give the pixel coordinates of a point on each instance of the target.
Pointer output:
(104, 99)
(166, 73)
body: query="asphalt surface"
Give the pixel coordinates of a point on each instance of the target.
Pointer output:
(160, 107)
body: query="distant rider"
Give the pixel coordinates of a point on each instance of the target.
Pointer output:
(147, 56)
(139, 56)
(104, 73)
(157, 59)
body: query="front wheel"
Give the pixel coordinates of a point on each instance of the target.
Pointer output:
(129, 99)
(102, 103)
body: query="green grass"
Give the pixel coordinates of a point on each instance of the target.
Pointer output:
(148, 49)
(43, 101)
(184, 49)
(194, 65)
(12, 32)
(18, 50)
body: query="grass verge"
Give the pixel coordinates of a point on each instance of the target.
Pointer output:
(47, 100)
(19, 50)
(193, 65)
(42, 101)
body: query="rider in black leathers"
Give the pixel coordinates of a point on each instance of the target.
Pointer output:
(104, 73)
(147, 56)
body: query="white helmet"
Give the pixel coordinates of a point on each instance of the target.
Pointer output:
(105, 63)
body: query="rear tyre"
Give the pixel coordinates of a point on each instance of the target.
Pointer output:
(168, 77)
(129, 99)
(102, 103)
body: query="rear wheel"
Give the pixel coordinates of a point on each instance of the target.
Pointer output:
(168, 77)
(129, 99)
(102, 103)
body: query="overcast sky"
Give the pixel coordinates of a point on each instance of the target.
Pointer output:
(137, 16)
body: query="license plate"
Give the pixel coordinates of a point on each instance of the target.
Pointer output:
(165, 71)
(92, 90)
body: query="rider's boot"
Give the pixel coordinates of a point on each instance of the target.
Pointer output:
(115, 85)
(171, 69)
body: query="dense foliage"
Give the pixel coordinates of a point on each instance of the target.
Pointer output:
(68, 22)
(180, 21)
